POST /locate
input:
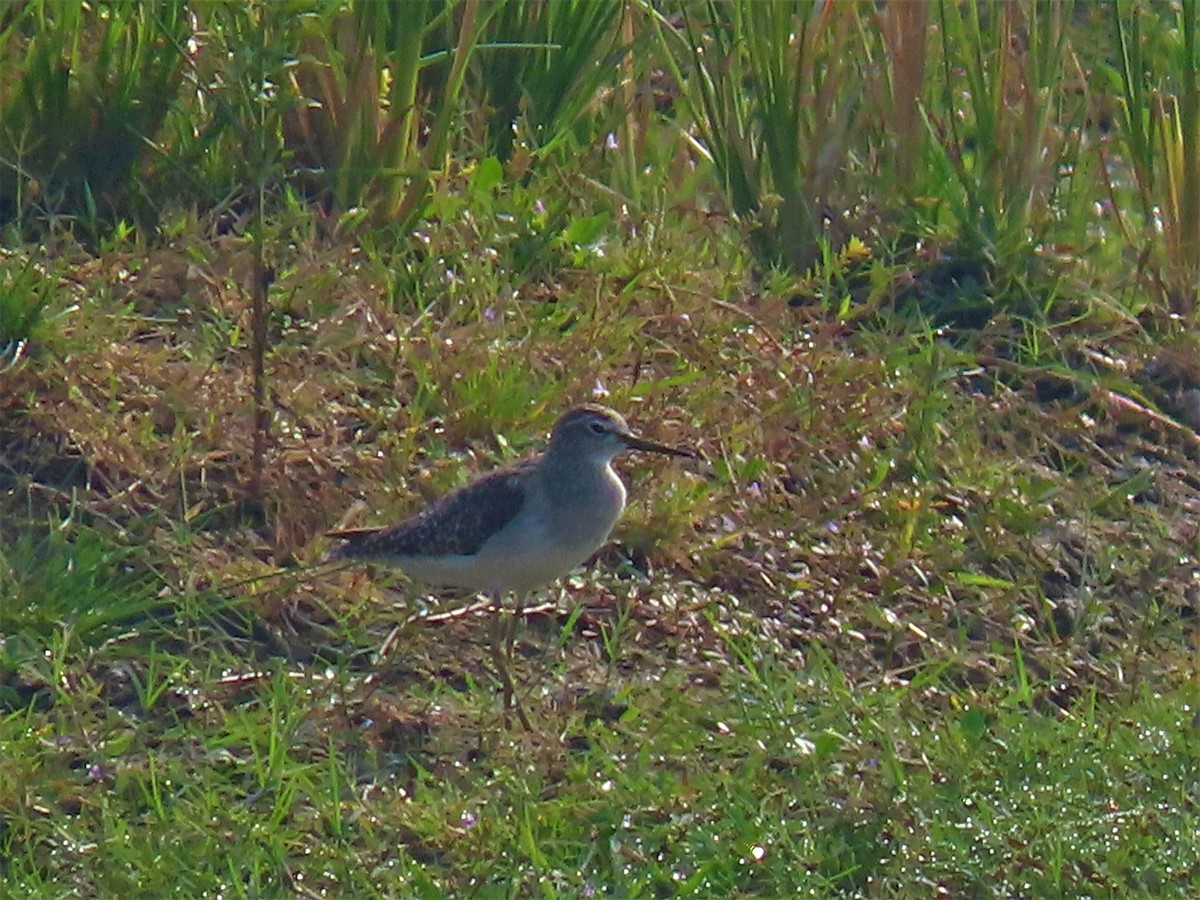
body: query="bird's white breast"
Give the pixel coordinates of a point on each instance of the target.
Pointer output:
(561, 525)
(567, 516)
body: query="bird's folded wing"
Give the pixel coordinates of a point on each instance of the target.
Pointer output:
(457, 525)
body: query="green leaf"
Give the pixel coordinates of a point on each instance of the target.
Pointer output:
(582, 232)
(973, 724)
(974, 579)
(488, 175)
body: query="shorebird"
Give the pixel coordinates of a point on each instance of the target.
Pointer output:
(517, 528)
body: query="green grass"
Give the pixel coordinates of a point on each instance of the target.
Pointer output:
(771, 781)
(911, 626)
(922, 621)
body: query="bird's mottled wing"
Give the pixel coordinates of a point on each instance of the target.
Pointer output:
(458, 524)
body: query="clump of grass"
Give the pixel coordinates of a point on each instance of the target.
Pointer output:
(1021, 130)
(81, 95)
(25, 300)
(1157, 76)
(65, 592)
(542, 69)
(773, 91)
(372, 106)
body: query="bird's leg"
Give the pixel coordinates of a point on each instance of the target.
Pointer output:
(503, 634)
(510, 630)
(510, 640)
(498, 647)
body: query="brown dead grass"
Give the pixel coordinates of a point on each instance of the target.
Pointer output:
(143, 419)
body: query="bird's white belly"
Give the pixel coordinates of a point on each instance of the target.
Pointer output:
(497, 569)
(543, 542)
(530, 553)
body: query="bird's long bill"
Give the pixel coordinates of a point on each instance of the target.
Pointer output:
(633, 442)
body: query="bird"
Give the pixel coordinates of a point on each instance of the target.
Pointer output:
(517, 528)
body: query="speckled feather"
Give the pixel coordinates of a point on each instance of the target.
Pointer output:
(458, 523)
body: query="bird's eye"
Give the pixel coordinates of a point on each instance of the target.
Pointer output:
(597, 428)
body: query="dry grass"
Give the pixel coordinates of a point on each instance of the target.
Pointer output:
(895, 516)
